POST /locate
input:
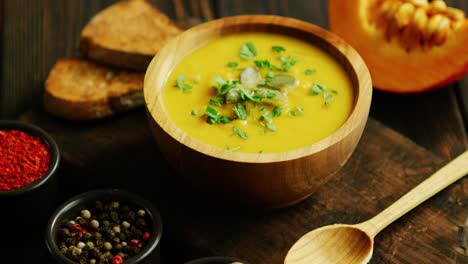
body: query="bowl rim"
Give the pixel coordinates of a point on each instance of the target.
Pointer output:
(88, 196)
(363, 90)
(50, 143)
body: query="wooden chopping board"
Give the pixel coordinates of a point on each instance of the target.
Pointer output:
(120, 152)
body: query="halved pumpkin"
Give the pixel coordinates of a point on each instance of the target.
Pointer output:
(409, 46)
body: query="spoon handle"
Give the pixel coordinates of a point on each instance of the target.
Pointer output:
(451, 172)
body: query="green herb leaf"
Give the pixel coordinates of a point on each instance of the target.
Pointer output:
(232, 64)
(317, 89)
(271, 94)
(194, 112)
(287, 62)
(222, 87)
(248, 50)
(271, 127)
(184, 87)
(275, 68)
(219, 80)
(266, 116)
(233, 148)
(240, 111)
(334, 92)
(245, 95)
(263, 64)
(225, 119)
(293, 113)
(276, 111)
(214, 118)
(278, 49)
(300, 110)
(309, 71)
(240, 133)
(211, 112)
(328, 98)
(270, 75)
(262, 107)
(214, 102)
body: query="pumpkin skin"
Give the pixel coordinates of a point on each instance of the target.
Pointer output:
(393, 68)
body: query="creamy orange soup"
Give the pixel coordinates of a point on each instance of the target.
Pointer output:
(259, 92)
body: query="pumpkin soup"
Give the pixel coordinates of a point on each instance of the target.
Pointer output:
(259, 92)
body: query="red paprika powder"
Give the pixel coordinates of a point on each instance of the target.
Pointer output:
(24, 159)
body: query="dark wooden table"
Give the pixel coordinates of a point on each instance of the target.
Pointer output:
(429, 128)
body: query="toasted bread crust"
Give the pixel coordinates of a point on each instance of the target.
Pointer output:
(127, 34)
(83, 90)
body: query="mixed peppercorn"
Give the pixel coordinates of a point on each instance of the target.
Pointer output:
(107, 233)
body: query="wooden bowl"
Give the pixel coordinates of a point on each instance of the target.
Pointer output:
(261, 181)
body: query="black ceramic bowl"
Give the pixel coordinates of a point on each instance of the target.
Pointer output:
(150, 253)
(33, 203)
(216, 260)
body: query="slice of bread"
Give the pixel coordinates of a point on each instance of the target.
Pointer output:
(127, 34)
(78, 89)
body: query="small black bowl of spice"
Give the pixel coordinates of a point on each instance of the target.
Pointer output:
(29, 158)
(106, 226)
(216, 260)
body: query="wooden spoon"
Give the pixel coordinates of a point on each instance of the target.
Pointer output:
(352, 244)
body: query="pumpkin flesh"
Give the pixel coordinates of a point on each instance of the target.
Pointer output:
(393, 67)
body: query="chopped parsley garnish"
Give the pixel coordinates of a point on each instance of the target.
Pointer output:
(271, 95)
(287, 62)
(271, 127)
(184, 87)
(240, 111)
(248, 51)
(266, 116)
(222, 87)
(278, 49)
(216, 102)
(320, 88)
(317, 89)
(293, 113)
(219, 80)
(233, 148)
(262, 107)
(245, 95)
(240, 133)
(211, 112)
(194, 112)
(214, 117)
(270, 75)
(263, 64)
(300, 110)
(232, 64)
(275, 68)
(328, 98)
(276, 111)
(309, 71)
